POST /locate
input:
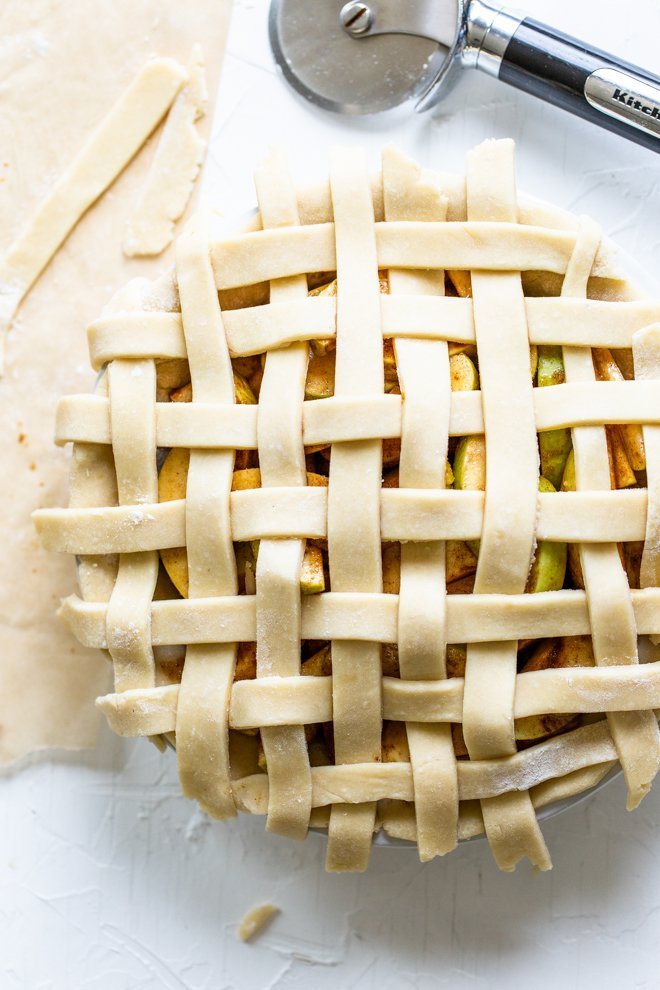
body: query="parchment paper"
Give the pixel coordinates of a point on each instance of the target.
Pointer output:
(62, 66)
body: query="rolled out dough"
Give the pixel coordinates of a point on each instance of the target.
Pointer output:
(63, 67)
(119, 136)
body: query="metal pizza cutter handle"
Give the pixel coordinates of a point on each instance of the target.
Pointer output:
(365, 57)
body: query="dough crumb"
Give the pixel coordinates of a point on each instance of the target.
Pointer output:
(256, 920)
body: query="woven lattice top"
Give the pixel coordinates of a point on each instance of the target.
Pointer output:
(344, 596)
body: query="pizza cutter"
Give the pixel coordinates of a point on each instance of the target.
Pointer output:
(366, 57)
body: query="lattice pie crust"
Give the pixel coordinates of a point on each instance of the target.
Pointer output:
(447, 699)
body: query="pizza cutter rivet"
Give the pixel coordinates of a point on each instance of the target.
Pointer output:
(356, 18)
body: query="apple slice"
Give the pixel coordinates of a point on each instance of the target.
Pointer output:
(554, 445)
(549, 567)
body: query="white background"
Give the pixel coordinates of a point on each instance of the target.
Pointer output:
(110, 880)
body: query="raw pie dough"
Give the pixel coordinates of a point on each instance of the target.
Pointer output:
(538, 277)
(48, 110)
(104, 155)
(172, 175)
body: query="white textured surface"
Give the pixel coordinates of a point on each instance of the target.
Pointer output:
(110, 880)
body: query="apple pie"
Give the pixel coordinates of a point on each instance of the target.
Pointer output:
(366, 509)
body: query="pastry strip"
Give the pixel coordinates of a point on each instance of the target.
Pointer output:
(255, 329)
(354, 542)
(85, 418)
(407, 514)
(367, 617)
(171, 177)
(261, 256)
(132, 394)
(508, 535)
(423, 371)
(93, 480)
(485, 780)
(282, 462)
(208, 671)
(646, 351)
(286, 701)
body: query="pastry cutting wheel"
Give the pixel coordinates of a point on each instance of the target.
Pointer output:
(361, 58)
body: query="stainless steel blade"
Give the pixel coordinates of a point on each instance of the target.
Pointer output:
(359, 75)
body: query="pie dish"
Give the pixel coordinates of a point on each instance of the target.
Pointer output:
(312, 531)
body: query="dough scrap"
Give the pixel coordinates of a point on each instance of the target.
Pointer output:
(175, 167)
(119, 136)
(256, 920)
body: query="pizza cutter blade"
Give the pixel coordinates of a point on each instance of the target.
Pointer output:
(320, 55)
(367, 57)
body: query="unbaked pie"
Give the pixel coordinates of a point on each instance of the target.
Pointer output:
(366, 507)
